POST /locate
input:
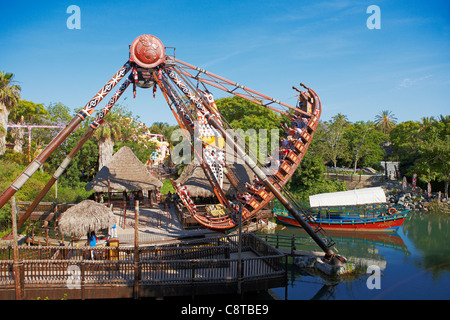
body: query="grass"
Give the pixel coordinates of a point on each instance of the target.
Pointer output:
(167, 186)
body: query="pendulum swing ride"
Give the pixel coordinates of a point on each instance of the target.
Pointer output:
(199, 117)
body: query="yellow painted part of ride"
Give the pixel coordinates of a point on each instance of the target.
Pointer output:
(218, 143)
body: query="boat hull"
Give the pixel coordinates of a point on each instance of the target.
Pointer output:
(384, 224)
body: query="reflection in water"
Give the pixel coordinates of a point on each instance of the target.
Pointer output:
(419, 251)
(325, 293)
(430, 235)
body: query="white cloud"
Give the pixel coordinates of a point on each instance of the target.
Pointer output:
(408, 82)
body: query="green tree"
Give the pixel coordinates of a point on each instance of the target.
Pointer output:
(310, 178)
(106, 135)
(162, 128)
(58, 113)
(9, 98)
(424, 148)
(433, 162)
(404, 138)
(385, 121)
(29, 112)
(245, 115)
(332, 139)
(55, 114)
(83, 166)
(26, 112)
(9, 170)
(364, 144)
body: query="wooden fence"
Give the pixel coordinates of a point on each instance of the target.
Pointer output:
(147, 271)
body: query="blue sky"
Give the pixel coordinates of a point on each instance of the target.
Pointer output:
(268, 46)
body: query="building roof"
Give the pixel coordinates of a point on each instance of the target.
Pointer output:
(125, 173)
(198, 184)
(86, 216)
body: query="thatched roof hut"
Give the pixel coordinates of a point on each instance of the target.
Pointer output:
(198, 185)
(125, 173)
(86, 216)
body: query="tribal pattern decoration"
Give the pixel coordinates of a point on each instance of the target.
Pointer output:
(189, 123)
(90, 106)
(193, 98)
(102, 114)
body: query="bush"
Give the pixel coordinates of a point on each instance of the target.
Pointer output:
(309, 179)
(10, 170)
(167, 186)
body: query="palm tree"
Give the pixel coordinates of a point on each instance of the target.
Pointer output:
(9, 98)
(426, 124)
(165, 129)
(444, 119)
(106, 134)
(385, 121)
(162, 128)
(428, 121)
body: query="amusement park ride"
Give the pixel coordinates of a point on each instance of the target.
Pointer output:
(195, 109)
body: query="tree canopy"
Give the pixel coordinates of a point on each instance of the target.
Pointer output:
(424, 148)
(249, 118)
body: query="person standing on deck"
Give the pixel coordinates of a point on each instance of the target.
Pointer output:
(92, 242)
(114, 229)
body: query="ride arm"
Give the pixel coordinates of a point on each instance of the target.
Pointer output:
(208, 78)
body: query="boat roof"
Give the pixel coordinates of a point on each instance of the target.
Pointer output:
(348, 198)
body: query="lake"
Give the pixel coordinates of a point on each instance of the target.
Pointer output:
(414, 263)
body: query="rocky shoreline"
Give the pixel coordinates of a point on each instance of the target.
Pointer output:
(415, 200)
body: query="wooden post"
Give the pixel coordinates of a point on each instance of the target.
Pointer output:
(17, 273)
(286, 277)
(293, 245)
(124, 219)
(136, 250)
(82, 276)
(109, 192)
(239, 266)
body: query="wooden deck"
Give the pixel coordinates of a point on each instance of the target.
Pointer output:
(205, 266)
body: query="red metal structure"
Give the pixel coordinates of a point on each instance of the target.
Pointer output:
(195, 111)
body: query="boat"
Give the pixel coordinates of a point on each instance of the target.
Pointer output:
(355, 210)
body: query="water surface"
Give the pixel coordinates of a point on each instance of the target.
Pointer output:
(414, 263)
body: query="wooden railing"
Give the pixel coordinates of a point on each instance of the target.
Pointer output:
(46, 272)
(203, 261)
(46, 235)
(291, 243)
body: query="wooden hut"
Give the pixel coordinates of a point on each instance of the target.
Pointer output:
(124, 173)
(196, 182)
(85, 217)
(193, 177)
